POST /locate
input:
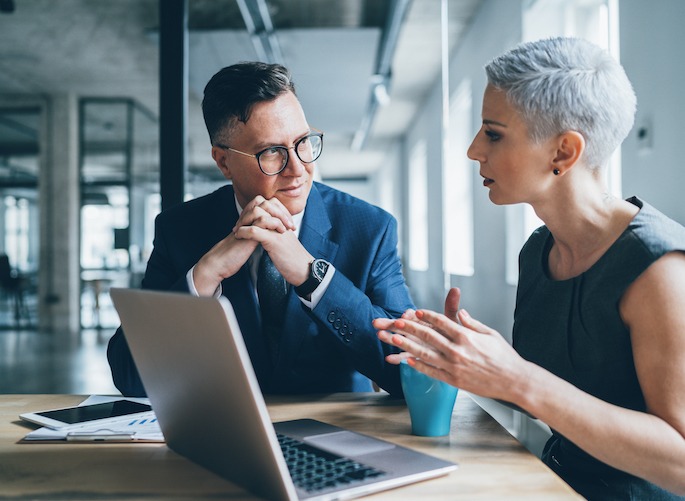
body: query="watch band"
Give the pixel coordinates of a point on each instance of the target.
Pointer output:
(317, 272)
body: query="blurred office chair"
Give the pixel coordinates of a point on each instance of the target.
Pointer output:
(14, 286)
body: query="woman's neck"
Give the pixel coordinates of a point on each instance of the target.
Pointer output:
(583, 227)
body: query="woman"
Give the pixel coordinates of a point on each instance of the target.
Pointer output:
(599, 331)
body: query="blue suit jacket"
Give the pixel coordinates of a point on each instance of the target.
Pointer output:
(329, 349)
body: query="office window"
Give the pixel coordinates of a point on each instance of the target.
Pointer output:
(418, 208)
(16, 244)
(20, 133)
(457, 187)
(101, 217)
(596, 21)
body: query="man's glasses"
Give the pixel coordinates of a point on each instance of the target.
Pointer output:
(272, 160)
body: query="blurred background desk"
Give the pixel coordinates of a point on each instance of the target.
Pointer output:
(493, 465)
(97, 310)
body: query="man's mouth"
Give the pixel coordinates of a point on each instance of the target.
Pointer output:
(487, 181)
(294, 190)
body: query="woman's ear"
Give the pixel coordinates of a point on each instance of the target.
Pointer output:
(220, 157)
(570, 147)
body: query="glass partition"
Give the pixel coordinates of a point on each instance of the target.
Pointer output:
(119, 171)
(19, 229)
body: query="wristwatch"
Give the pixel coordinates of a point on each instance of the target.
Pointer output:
(317, 270)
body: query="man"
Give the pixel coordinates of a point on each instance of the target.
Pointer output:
(336, 254)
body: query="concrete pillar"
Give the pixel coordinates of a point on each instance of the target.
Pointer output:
(59, 271)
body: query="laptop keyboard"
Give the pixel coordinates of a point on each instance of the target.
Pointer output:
(313, 469)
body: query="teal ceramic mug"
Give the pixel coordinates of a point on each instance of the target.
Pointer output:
(429, 400)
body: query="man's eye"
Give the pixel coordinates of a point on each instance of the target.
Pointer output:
(492, 135)
(271, 152)
(304, 144)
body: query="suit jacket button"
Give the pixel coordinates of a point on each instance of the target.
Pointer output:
(337, 324)
(331, 317)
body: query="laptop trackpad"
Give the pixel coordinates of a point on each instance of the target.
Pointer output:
(348, 443)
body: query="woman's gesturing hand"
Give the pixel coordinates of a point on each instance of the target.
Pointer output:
(459, 350)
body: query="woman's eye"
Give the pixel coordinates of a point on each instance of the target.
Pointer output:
(492, 135)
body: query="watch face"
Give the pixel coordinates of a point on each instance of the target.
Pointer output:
(319, 268)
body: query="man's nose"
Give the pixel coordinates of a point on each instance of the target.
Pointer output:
(294, 166)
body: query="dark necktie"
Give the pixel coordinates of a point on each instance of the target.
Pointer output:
(272, 290)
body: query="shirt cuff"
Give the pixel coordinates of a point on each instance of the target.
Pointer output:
(191, 285)
(320, 290)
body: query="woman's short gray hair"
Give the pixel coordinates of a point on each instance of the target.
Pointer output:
(562, 84)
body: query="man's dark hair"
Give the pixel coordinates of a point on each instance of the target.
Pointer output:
(232, 92)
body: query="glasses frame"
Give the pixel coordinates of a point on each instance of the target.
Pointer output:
(314, 133)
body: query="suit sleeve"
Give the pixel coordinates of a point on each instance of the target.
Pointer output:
(347, 311)
(161, 274)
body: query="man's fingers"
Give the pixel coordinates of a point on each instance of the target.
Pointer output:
(265, 213)
(275, 208)
(260, 220)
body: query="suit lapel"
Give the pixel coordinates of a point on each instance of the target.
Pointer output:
(240, 292)
(315, 227)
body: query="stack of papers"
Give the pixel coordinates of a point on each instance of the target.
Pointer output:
(144, 427)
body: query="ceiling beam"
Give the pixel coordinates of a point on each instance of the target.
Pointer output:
(258, 23)
(381, 79)
(18, 127)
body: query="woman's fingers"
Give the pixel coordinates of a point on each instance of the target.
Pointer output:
(419, 340)
(473, 324)
(452, 304)
(396, 358)
(431, 370)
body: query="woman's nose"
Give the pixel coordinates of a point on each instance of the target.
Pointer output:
(474, 152)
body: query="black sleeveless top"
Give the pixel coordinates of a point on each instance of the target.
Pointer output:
(573, 329)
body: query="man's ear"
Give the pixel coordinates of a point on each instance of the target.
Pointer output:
(220, 157)
(570, 147)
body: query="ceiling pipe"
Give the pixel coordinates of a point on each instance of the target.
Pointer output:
(381, 79)
(258, 22)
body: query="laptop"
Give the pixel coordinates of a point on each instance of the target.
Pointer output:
(197, 373)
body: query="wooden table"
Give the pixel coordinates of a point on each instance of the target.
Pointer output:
(492, 464)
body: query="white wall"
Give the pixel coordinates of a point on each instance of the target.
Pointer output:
(496, 27)
(650, 41)
(652, 38)
(486, 295)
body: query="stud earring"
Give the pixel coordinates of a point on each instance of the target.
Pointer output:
(556, 172)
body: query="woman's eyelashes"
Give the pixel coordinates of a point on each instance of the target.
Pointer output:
(492, 135)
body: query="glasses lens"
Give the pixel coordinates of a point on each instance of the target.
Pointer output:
(309, 147)
(272, 160)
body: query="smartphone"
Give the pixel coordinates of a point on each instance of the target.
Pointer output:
(103, 413)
